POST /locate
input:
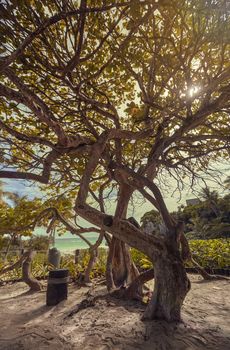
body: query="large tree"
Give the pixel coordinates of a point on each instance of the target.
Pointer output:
(101, 96)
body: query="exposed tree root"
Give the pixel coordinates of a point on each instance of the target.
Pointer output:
(206, 276)
(121, 293)
(132, 292)
(186, 255)
(84, 304)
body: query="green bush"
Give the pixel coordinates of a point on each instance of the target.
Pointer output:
(211, 253)
(41, 267)
(214, 253)
(37, 243)
(141, 260)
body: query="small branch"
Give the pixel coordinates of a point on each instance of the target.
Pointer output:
(43, 178)
(75, 60)
(4, 63)
(15, 265)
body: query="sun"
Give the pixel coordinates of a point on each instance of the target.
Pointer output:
(193, 90)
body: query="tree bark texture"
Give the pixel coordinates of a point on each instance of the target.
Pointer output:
(171, 285)
(92, 260)
(170, 282)
(132, 292)
(121, 271)
(34, 284)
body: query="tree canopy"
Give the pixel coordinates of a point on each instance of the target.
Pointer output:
(144, 81)
(113, 96)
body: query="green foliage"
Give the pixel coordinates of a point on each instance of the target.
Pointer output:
(209, 219)
(146, 56)
(19, 215)
(209, 254)
(140, 259)
(69, 76)
(153, 216)
(212, 253)
(18, 219)
(37, 243)
(40, 266)
(100, 266)
(67, 262)
(4, 241)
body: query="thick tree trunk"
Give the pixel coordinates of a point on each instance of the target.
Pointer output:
(34, 284)
(171, 285)
(109, 268)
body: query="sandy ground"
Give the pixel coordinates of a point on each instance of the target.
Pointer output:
(27, 323)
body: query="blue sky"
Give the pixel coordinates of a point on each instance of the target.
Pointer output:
(22, 188)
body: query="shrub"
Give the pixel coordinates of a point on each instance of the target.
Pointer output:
(211, 253)
(141, 260)
(37, 243)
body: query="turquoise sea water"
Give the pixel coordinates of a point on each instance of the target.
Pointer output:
(71, 244)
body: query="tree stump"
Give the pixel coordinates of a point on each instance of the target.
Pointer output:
(57, 289)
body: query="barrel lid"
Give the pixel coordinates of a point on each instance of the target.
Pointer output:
(59, 273)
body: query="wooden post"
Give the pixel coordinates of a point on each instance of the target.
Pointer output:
(57, 289)
(77, 255)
